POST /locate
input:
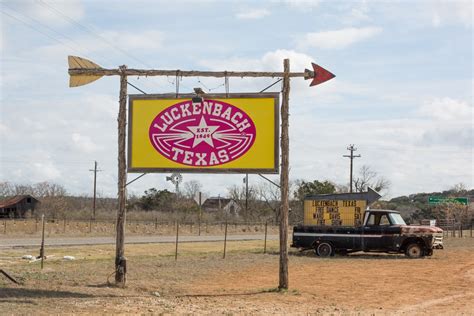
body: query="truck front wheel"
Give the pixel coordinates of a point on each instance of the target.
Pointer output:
(414, 251)
(325, 250)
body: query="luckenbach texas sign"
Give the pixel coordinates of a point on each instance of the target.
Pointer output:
(217, 133)
(231, 134)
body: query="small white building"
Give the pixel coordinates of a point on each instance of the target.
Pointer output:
(219, 204)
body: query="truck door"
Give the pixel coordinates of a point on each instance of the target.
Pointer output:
(374, 235)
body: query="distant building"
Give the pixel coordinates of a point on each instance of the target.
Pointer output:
(216, 204)
(17, 206)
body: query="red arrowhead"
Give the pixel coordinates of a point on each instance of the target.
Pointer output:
(320, 75)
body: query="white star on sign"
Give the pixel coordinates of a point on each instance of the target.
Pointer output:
(203, 133)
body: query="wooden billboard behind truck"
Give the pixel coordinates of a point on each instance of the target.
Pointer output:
(344, 209)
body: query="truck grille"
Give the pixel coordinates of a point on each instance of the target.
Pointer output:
(438, 240)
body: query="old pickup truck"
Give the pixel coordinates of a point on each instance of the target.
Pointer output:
(381, 231)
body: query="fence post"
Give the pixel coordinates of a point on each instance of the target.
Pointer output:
(90, 225)
(199, 226)
(177, 234)
(265, 242)
(225, 239)
(156, 223)
(471, 228)
(42, 241)
(64, 227)
(460, 230)
(5, 226)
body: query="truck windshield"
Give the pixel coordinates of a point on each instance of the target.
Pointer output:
(396, 219)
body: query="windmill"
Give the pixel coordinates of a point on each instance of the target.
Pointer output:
(176, 179)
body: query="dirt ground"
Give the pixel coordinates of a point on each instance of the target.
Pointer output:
(202, 282)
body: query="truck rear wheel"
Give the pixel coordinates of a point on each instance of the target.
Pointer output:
(414, 251)
(325, 250)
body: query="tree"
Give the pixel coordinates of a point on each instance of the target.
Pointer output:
(191, 189)
(271, 195)
(154, 199)
(369, 178)
(316, 187)
(458, 189)
(6, 189)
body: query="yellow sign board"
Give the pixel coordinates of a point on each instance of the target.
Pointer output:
(334, 212)
(218, 133)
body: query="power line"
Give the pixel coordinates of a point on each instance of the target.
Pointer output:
(61, 36)
(89, 30)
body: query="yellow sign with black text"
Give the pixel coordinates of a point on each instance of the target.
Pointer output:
(334, 212)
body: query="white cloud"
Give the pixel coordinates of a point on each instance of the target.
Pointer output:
(447, 109)
(451, 12)
(449, 122)
(358, 13)
(45, 171)
(270, 61)
(253, 14)
(338, 39)
(4, 130)
(301, 4)
(83, 143)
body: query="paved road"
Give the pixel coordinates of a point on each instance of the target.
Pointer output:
(77, 241)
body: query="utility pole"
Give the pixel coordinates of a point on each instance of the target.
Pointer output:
(246, 180)
(95, 170)
(351, 148)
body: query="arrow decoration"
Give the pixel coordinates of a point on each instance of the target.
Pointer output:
(320, 75)
(81, 63)
(370, 196)
(83, 71)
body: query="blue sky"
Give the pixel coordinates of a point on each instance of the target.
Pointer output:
(402, 95)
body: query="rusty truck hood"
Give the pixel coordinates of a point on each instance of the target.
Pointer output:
(420, 229)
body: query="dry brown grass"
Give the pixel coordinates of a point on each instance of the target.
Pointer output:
(244, 283)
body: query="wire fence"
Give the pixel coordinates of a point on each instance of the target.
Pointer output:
(106, 227)
(450, 227)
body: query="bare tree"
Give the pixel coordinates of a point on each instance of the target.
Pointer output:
(271, 195)
(459, 188)
(6, 189)
(191, 189)
(369, 178)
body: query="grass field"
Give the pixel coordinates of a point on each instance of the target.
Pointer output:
(200, 281)
(77, 228)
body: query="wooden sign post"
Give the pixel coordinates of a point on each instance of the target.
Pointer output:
(284, 177)
(83, 71)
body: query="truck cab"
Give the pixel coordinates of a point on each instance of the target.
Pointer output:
(381, 231)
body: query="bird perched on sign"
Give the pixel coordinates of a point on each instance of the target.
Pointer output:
(199, 92)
